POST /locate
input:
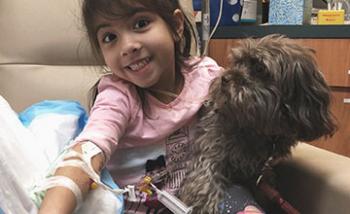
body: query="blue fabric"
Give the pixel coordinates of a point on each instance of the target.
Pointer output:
(197, 5)
(1, 212)
(236, 199)
(57, 107)
(230, 9)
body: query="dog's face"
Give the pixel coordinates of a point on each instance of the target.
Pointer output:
(275, 88)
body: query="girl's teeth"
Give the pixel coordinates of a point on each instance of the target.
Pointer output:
(139, 65)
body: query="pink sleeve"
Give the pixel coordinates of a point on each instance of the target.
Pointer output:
(208, 64)
(109, 116)
(213, 68)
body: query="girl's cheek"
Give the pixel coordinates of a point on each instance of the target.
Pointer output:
(109, 63)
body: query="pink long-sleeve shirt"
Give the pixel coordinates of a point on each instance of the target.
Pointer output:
(130, 134)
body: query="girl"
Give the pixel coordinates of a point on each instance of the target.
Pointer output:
(146, 107)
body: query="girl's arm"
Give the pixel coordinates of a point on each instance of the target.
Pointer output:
(62, 200)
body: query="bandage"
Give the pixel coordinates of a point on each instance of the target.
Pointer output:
(82, 161)
(62, 181)
(89, 150)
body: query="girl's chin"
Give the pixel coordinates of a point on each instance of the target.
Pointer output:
(148, 86)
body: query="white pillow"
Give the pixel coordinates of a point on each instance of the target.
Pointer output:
(30, 142)
(55, 123)
(20, 162)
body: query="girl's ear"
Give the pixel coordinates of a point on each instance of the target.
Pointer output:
(179, 20)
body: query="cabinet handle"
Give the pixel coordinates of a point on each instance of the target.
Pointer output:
(349, 72)
(347, 101)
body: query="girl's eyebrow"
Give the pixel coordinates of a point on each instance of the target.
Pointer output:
(100, 26)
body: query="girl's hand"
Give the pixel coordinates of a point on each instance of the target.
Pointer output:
(250, 210)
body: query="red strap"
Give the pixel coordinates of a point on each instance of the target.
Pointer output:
(275, 196)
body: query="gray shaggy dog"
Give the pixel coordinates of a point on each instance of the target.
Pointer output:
(270, 97)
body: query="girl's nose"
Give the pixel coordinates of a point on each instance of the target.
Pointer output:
(130, 47)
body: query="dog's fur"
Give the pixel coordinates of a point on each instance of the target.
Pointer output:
(271, 97)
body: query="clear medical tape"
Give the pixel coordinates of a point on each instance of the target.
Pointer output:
(85, 164)
(62, 181)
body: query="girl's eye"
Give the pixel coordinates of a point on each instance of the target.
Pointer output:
(109, 37)
(141, 23)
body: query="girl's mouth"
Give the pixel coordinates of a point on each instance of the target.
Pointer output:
(139, 64)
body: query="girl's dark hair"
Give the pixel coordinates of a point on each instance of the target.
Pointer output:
(112, 9)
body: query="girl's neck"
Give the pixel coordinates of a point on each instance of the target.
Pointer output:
(167, 96)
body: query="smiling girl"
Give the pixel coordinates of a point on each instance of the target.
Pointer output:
(146, 107)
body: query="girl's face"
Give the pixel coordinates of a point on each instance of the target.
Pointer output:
(140, 48)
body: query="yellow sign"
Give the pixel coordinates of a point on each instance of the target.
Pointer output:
(330, 17)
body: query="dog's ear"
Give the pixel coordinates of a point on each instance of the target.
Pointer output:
(306, 96)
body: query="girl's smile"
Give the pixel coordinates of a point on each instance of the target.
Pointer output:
(139, 64)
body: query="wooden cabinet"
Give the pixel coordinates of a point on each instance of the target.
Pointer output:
(333, 56)
(340, 142)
